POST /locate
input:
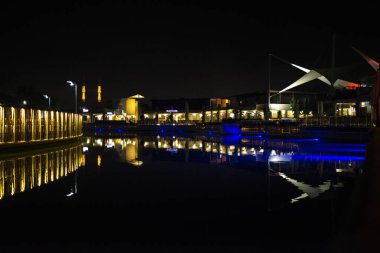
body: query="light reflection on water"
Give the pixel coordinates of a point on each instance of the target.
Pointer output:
(152, 186)
(276, 151)
(26, 172)
(308, 165)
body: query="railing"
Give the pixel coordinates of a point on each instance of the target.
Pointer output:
(294, 126)
(335, 121)
(274, 127)
(26, 125)
(152, 122)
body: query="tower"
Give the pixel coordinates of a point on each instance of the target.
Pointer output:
(84, 93)
(99, 93)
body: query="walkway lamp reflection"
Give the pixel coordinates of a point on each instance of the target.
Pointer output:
(74, 189)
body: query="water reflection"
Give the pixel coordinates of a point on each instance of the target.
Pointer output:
(310, 167)
(308, 190)
(345, 158)
(26, 172)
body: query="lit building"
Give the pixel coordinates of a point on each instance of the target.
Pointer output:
(348, 103)
(129, 109)
(289, 104)
(251, 106)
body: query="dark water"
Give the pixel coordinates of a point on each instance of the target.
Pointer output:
(180, 194)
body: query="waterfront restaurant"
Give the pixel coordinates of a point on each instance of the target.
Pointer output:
(243, 107)
(201, 110)
(251, 106)
(348, 103)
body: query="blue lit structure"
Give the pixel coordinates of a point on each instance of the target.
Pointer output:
(231, 139)
(230, 128)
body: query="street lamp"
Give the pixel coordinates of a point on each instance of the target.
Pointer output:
(48, 98)
(76, 86)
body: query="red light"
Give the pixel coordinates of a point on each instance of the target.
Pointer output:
(352, 86)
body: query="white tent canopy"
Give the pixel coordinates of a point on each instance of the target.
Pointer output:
(310, 76)
(313, 74)
(374, 64)
(322, 78)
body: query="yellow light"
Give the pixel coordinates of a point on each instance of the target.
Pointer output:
(137, 96)
(99, 93)
(99, 161)
(84, 93)
(83, 160)
(135, 162)
(22, 175)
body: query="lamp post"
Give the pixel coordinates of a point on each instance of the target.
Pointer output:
(269, 78)
(48, 98)
(76, 87)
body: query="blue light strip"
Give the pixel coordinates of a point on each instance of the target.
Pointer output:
(344, 145)
(327, 157)
(338, 150)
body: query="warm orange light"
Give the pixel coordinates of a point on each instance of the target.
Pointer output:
(352, 86)
(99, 160)
(83, 160)
(84, 93)
(99, 93)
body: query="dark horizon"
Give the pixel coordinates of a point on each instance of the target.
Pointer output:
(164, 49)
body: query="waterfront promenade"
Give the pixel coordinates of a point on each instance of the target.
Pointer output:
(24, 127)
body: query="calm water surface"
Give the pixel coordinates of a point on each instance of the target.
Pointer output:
(165, 192)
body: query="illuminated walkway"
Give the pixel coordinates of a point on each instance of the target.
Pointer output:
(21, 125)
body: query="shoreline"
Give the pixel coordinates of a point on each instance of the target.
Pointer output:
(231, 129)
(18, 147)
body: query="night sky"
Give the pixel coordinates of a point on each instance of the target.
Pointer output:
(166, 49)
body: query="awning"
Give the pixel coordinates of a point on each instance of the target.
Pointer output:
(310, 76)
(374, 64)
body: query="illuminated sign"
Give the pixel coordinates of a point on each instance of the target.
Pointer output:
(171, 110)
(85, 110)
(109, 113)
